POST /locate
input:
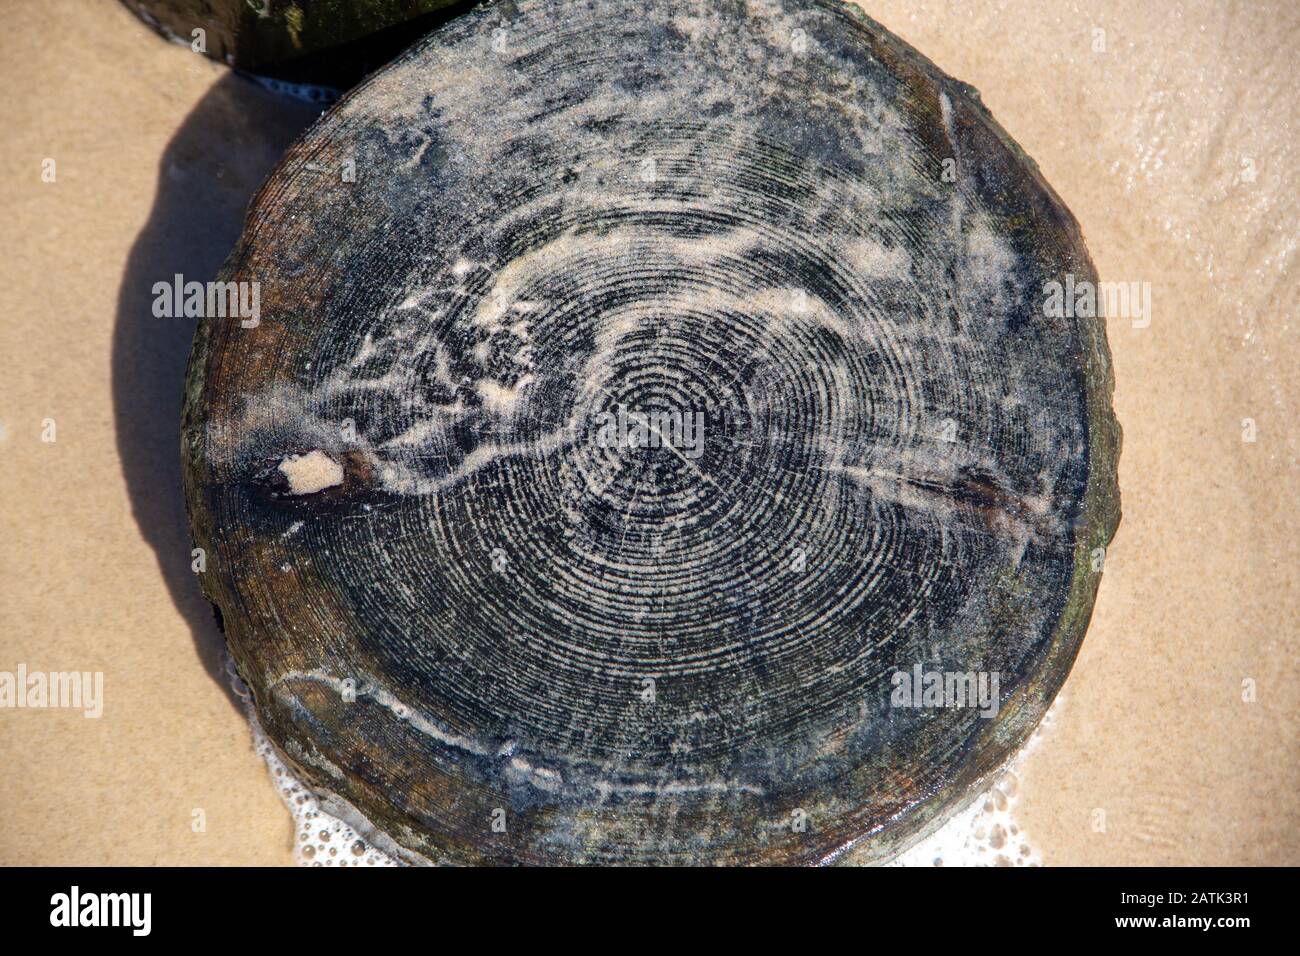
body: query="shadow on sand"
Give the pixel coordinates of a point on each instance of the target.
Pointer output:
(210, 170)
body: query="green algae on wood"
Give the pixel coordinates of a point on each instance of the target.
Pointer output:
(483, 606)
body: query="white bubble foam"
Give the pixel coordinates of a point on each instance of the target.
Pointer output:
(319, 837)
(987, 832)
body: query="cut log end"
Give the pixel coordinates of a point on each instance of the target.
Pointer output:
(650, 404)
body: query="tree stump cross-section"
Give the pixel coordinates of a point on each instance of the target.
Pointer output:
(653, 446)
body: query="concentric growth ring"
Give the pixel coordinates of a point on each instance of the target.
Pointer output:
(651, 405)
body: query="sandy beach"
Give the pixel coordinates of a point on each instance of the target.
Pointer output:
(1172, 136)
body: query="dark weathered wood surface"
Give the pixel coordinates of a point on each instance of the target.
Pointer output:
(504, 635)
(324, 42)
